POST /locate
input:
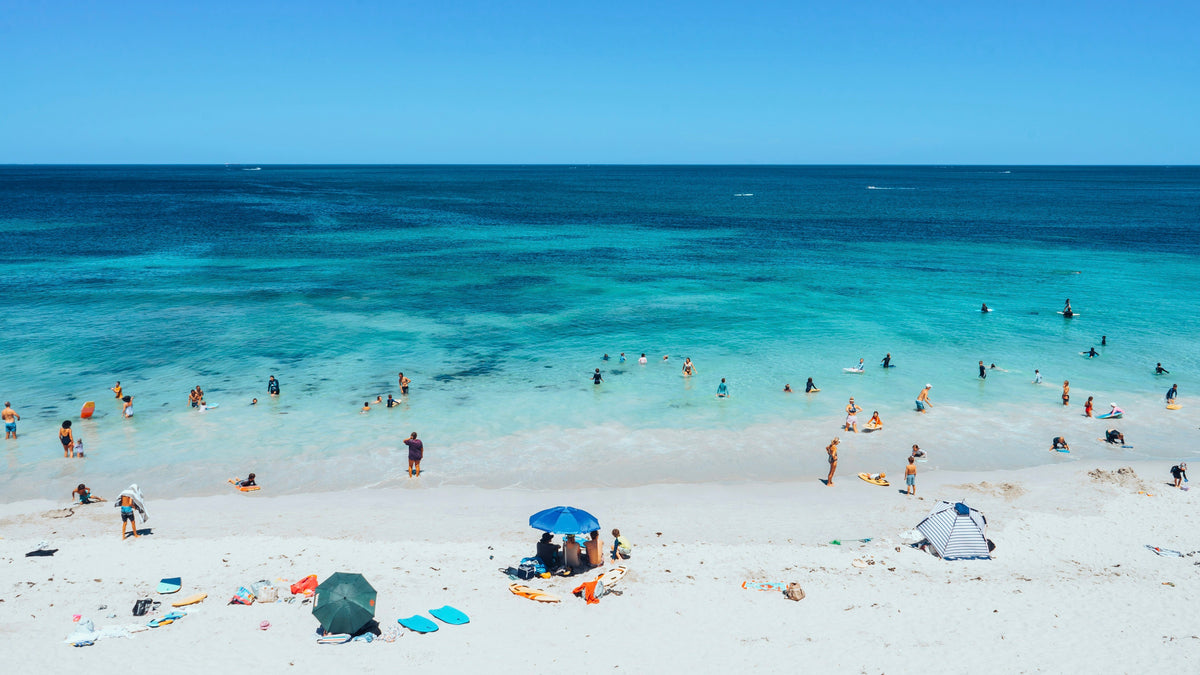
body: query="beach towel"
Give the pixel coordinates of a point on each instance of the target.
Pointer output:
(591, 591)
(139, 502)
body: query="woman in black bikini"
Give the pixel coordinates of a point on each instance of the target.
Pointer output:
(67, 438)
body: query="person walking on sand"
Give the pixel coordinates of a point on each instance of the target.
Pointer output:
(1066, 395)
(923, 399)
(272, 386)
(1171, 394)
(910, 476)
(851, 416)
(10, 418)
(416, 450)
(67, 438)
(832, 450)
(1087, 407)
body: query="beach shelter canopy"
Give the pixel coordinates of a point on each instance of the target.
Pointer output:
(956, 532)
(564, 520)
(345, 603)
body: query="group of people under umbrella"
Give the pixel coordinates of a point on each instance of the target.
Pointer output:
(345, 602)
(574, 556)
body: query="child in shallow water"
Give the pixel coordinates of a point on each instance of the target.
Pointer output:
(875, 422)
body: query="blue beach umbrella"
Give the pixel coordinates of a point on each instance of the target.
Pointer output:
(564, 520)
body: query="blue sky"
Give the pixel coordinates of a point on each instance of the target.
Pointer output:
(600, 82)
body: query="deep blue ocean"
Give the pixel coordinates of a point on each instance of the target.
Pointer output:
(498, 289)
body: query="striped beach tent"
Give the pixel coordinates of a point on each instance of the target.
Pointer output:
(956, 532)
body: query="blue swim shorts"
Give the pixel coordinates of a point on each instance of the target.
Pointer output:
(10, 426)
(910, 479)
(920, 406)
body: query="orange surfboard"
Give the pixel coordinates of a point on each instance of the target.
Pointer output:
(88, 409)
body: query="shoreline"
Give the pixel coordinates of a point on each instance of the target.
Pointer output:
(1070, 568)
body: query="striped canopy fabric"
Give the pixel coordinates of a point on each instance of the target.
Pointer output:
(956, 532)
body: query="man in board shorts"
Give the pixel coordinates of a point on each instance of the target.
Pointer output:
(10, 417)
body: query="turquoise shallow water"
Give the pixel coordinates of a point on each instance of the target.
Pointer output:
(497, 290)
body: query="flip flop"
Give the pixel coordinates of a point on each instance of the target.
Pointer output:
(264, 625)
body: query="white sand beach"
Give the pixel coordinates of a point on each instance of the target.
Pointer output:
(1072, 587)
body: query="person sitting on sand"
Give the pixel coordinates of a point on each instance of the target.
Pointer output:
(85, 495)
(875, 422)
(832, 450)
(1115, 437)
(570, 554)
(547, 551)
(595, 550)
(1179, 473)
(621, 549)
(1059, 442)
(810, 388)
(249, 482)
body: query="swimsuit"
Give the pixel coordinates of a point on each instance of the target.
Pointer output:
(65, 440)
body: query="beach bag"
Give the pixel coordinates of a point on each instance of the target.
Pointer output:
(530, 568)
(267, 594)
(307, 585)
(794, 592)
(244, 596)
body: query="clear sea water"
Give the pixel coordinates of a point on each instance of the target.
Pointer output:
(498, 289)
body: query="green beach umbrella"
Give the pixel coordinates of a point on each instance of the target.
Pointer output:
(345, 603)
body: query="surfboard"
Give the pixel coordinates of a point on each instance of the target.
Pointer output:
(1110, 416)
(872, 427)
(169, 585)
(418, 624)
(88, 408)
(873, 481)
(532, 593)
(1174, 406)
(1071, 316)
(190, 600)
(449, 615)
(611, 576)
(755, 585)
(858, 371)
(1088, 355)
(250, 488)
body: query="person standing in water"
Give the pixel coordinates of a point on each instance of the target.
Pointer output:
(67, 438)
(923, 399)
(642, 359)
(1037, 376)
(596, 377)
(116, 389)
(1159, 370)
(416, 450)
(273, 386)
(404, 382)
(1171, 394)
(10, 418)
(1066, 395)
(127, 410)
(851, 416)
(1087, 407)
(1103, 340)
(1067, 309)
(887, 360)
(722, 390)
(688, 368)
(982, 371)
(832, 451)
